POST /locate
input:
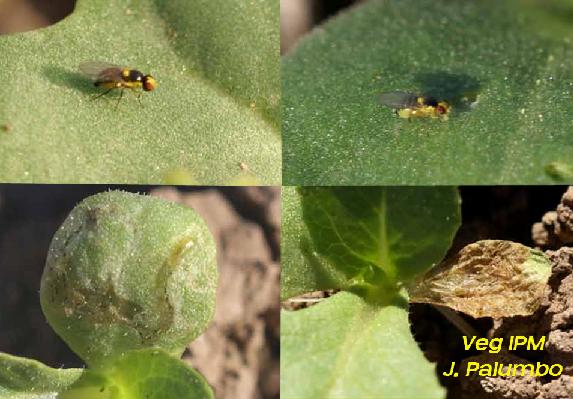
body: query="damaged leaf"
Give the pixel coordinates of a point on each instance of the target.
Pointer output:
(127, 271)
(490, 278)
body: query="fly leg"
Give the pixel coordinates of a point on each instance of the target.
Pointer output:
(120, 97)
(101, 94)
(138, 96)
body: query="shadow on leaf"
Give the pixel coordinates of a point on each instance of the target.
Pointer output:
(460, 90)
(65, 78)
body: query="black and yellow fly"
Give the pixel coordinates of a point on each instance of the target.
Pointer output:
(410, 105)
(110, 77)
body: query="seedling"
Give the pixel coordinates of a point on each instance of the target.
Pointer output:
(376, 244)
(129, 281)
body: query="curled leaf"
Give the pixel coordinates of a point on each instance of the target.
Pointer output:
(128, 271)
(489, 278)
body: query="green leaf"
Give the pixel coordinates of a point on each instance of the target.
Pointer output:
(560, 171)
(147, 373)
(302, 268)
(347, 348)
(355, 237)
(128, 271)
(22, 378)
(552, 18)
(212, 120)
(239, 52)
(336, 132)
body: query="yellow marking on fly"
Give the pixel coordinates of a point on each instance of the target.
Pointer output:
(426, 111)
(125, 73)
(120, 85)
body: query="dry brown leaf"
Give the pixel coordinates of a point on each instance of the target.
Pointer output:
(490, 278)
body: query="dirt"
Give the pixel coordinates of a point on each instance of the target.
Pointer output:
(238, 354)
(26, 15)
(298, 17)
(556, 227)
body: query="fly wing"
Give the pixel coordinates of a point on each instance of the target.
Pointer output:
(100, 70)
(398, 99)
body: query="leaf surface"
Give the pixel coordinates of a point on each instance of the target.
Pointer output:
(348, 237)
(345, 348)
(336, 131)
(22, 378)
(128, 271)
(212, 120)
(147, 373)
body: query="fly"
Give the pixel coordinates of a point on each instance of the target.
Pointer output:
(110, 77)
(409, 105)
